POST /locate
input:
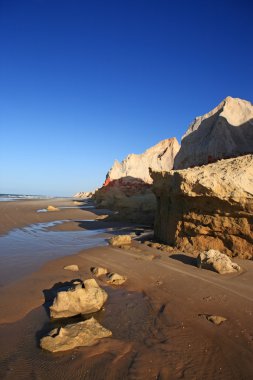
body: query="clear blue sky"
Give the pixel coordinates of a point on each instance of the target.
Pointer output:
(85, 82)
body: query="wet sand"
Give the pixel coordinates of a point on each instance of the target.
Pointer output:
(156, 317)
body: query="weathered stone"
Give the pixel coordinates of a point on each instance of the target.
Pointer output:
(217, 261)
(116, 279)
(120, 240)
(78, 300)
(52, 208)
(216, 319)
(98, 271)
(207, 207)
(226, 131)
(84, 333)
(73, 268)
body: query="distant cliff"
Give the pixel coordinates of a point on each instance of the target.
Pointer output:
(127, 188)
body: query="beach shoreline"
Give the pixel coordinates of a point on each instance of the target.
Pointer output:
(157, 318)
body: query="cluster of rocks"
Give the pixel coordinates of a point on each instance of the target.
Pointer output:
(110, 277)
(82, 298)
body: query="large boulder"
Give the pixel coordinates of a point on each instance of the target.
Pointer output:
(217, 261)
(207, 207)
(84, 333)
(83, 298)
(224, 132)
(159, 157)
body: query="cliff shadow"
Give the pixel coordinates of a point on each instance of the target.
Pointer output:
(188, 260)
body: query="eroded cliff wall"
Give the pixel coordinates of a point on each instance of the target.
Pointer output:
(207, 207)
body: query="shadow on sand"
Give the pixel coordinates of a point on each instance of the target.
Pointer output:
(184, 259)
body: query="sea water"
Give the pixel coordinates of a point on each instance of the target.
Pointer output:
(24, 250)
(18, 197)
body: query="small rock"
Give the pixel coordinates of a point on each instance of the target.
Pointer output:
(83, 298)
(102, 217)
(52, 208)
(73, 268)
(216, 319)
(215, 260)
(116, 279)
(98, 271)
(120, 240)
(84, 333)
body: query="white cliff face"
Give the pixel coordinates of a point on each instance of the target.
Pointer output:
(159, 157)
(226, 131)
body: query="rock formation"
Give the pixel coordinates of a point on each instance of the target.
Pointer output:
(83, 298)
(207, 207)
(159, 157)
(127, 187)
(83, 194)
(132, 199)
(216, 261)
(225, 132)
(84, 333)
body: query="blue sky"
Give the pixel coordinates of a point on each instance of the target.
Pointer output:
(85, 82)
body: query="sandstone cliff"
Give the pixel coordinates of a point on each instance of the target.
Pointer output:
(132, 198)
(208, 207)
(159, 157)
(224, 132)
(127, 188)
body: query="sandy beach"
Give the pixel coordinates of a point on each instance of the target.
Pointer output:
(157, 318)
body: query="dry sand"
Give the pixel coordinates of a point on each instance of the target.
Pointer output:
(157, 317)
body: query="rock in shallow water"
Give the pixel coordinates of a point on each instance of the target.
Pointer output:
(84, 333)
(83, 298)
(217, 261)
